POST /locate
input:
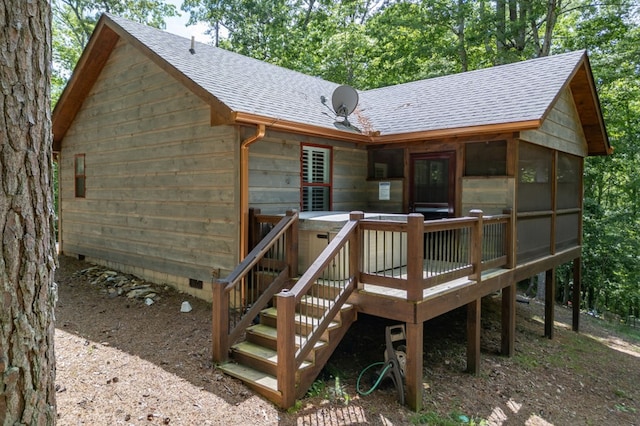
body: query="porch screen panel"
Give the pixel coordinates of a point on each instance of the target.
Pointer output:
(486, 159)
(534, 237)
(567, 231)
(316, 178)
(568, 176)
(534, 178)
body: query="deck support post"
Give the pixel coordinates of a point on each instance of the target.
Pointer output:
(577, 284)
(508, 320)
(413, 368)
(220, 322)
(473, 336)
(286, 368)
(549, 302)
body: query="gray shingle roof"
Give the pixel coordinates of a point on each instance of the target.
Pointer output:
(510, 93)
(244, 84)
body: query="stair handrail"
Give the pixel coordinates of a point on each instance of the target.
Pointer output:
(223, 334)
(290, 359)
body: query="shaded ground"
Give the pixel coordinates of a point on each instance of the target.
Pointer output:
(123, 362)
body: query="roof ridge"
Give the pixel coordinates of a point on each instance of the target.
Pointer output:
(494, 68)
(116, 19)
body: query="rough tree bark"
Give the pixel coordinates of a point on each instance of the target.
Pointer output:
(27, 255)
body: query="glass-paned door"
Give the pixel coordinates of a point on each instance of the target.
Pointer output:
(432, 184)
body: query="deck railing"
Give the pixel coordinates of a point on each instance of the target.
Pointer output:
(239, 298)
(307, 310)
(410, 256)
(415, 255)
(496, 240)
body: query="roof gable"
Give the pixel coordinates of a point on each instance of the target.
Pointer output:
(511, 97)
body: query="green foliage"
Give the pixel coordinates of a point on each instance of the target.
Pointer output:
(453, 419)
(336, 393)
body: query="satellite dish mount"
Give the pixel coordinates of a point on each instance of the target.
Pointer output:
(344, 101)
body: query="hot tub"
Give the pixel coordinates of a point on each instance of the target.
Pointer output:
(383, 250)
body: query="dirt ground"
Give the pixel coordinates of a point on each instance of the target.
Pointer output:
(140, 361)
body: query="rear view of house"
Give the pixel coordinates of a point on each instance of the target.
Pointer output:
(163, 152)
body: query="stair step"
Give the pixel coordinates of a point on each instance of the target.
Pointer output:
(259, 357)
(317, 306)
(264, 335)
(253, 378)
(325, 291)
(299, 318)
(268, 317)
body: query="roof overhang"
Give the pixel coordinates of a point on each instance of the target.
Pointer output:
(587, 102)
(376, 138)
(108, 32)
(89, 65)
(94, 57)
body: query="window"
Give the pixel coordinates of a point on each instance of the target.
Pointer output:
(386, 164)
(486, 159)
(316, 178)
(80, 176)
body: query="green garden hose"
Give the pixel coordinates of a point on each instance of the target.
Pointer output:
(382, 375)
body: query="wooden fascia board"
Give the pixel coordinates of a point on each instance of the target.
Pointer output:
(84, 76)
(459, 132)
(595, 131)
(302, 128)
(566, 84)
(289, 126)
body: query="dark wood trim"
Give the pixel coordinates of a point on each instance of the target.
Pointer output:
(84, 76)
(508, 319)
(577, 288)
(549, 302)
(474, 309)
(413, 369)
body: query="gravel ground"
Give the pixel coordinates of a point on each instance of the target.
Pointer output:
(140, 361)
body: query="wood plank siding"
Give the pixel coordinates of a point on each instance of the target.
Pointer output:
(492, 195)
(274, 173)
(561, 129)
(396, 196)
(160, 181)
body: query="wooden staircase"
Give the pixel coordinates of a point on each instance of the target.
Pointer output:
(255, 360)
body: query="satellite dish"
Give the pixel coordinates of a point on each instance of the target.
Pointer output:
(344, 100)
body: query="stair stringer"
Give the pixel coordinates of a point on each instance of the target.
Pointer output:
(263, 382)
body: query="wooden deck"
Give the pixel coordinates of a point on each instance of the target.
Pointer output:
(436, 266)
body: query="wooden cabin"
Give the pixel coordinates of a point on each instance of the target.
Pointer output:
(438, 193)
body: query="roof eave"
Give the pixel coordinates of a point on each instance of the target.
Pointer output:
(459, 132)
(94, 57)
(588, 104)
(84, 76)
(302, 128)
(375, 138)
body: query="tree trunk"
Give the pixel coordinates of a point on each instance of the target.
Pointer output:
(27, 255)
(460, 34)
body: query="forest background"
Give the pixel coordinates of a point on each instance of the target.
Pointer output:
(375, 43)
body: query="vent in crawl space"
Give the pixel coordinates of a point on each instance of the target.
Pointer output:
(193, 283)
